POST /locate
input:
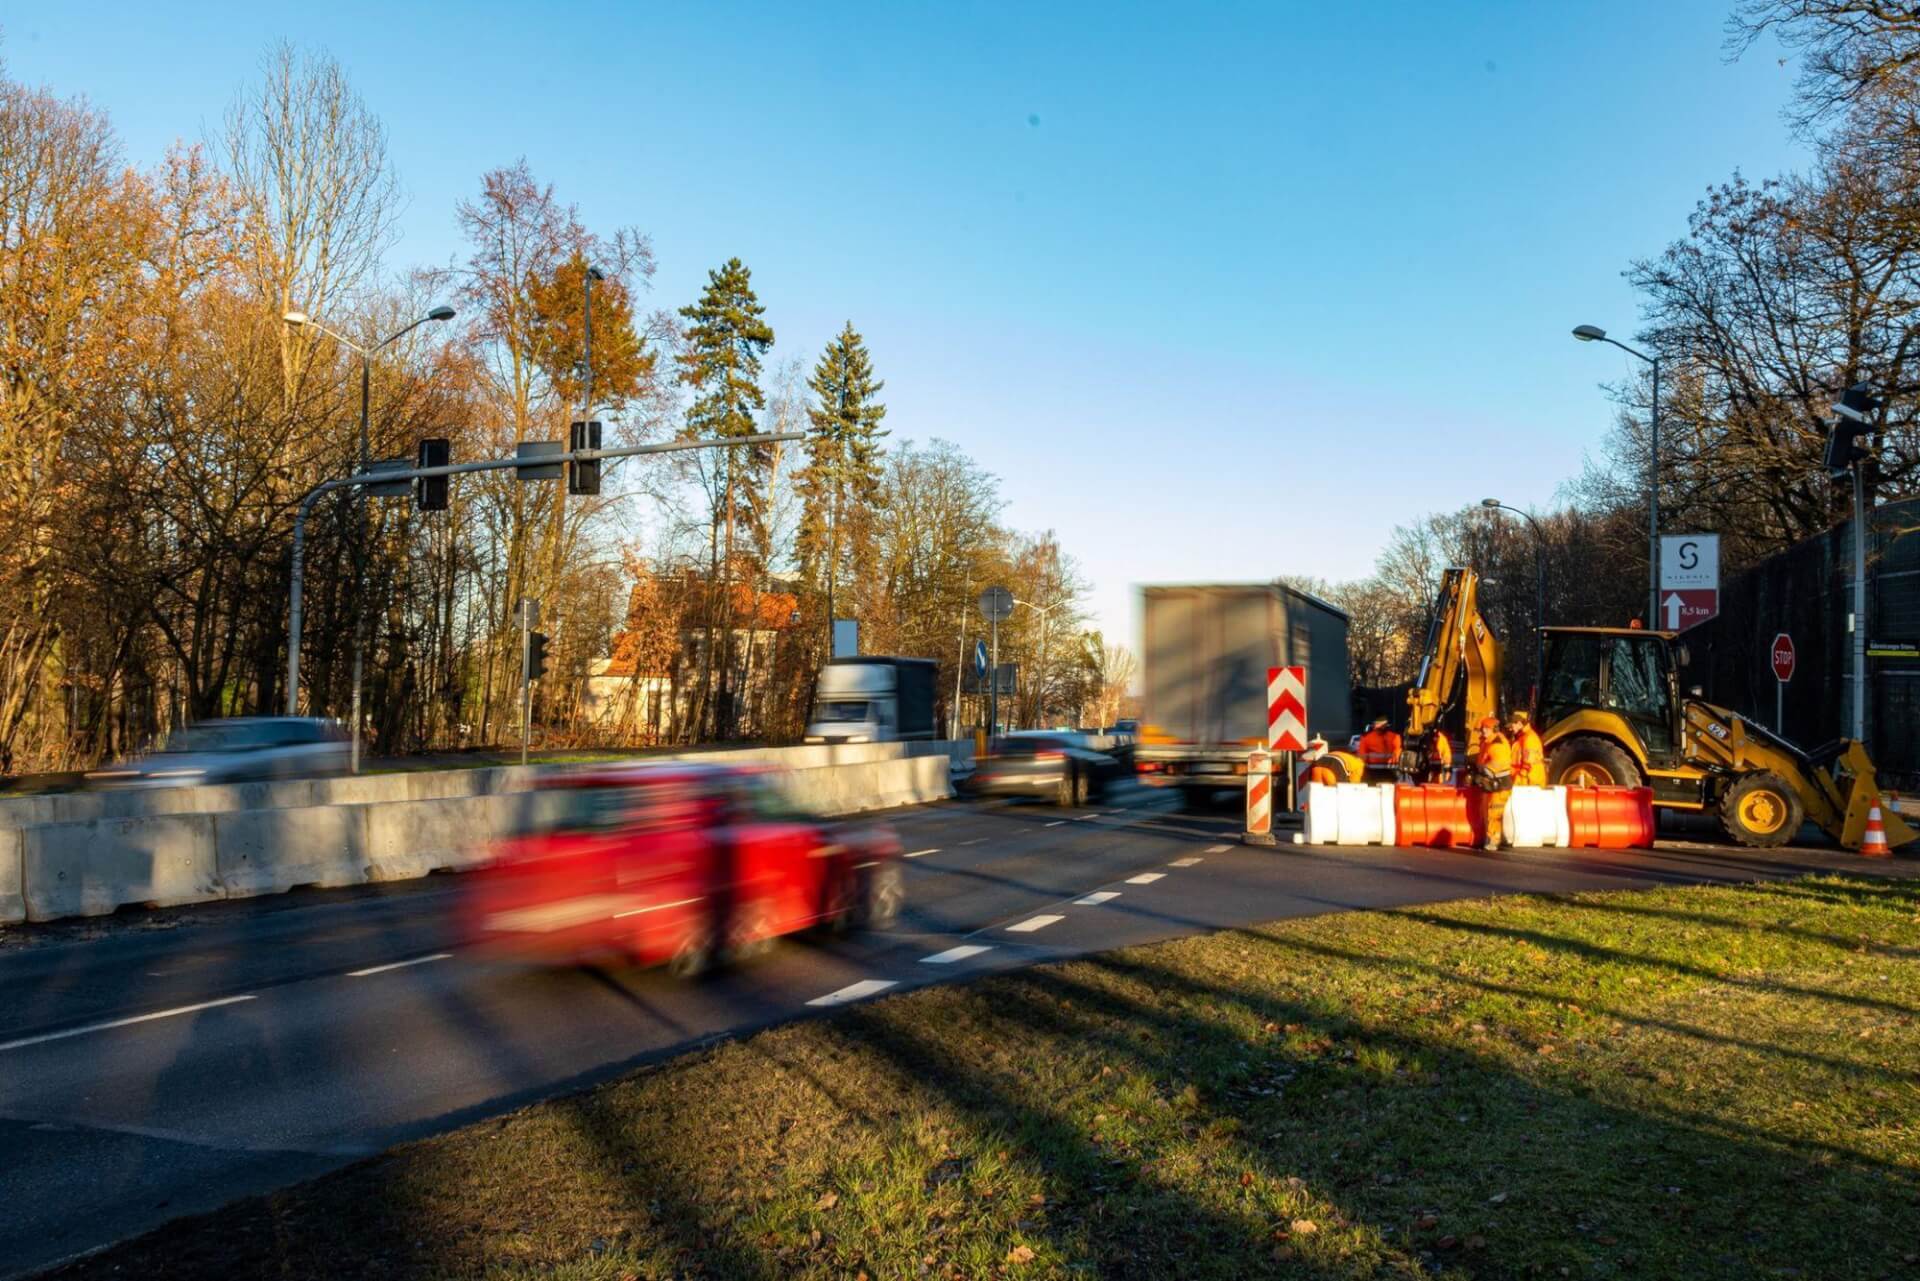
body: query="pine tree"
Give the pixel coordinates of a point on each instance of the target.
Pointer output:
(841, 482)
(725, 340)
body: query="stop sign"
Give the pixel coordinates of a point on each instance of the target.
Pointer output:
(1783, 658)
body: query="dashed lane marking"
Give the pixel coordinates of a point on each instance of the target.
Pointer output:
(854, 992)
(978, 840)
(1218, 849)
(1096, 899)
(1145, 878)
(44, 1037)
(1056, 822)
(1183, 862)
(953, 954)
(400, 965)
(1033, 923)
(922, 853)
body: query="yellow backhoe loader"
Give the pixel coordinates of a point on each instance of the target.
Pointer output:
(1611, 712)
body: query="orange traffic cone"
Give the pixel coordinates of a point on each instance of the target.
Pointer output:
(1874, 843)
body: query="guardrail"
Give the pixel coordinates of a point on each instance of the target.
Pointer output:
(195, 845)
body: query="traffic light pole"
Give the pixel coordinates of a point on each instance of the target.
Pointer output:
(526, 679)
(1859, 601)
(296, 597)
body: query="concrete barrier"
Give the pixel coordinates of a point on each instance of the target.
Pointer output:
(93, 867)
(406, 839)
(13, 895)
(270, 851)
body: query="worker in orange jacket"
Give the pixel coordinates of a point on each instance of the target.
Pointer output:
(1439, 757)
(1492, 781)
(1380, 748)
(1529, 757)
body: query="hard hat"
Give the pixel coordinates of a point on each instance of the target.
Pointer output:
(1381, 723)
(1518, 718)
(1489, 722)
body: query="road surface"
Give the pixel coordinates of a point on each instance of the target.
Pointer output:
(150, 1073)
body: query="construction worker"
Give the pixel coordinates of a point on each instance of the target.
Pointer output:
(1491, 780)
(1380, 750)
(1439, 757)
(1317, 767)
(1529, 757)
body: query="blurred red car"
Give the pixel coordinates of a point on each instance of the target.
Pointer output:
(684, 865)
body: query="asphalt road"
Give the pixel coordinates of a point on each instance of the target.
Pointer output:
(147, 1072)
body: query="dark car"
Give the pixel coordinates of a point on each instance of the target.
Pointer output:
(1054, 764)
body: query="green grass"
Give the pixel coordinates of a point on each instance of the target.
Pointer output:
(1676, 1083)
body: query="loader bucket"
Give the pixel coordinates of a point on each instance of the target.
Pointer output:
(1863, 793)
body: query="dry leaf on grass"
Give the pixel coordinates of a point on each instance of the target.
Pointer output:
(1304, 1227)
(827, 1201)
(1020, 1254)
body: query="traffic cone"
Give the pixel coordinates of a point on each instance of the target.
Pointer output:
(1874, 843)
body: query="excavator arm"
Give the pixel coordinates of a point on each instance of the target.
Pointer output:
(1461, 662)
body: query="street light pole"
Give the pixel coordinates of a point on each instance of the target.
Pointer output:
(1040, 691)
(1593, 333)
(1539, 593)
(300, 320)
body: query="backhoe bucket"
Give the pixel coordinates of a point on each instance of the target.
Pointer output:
(1863, 796)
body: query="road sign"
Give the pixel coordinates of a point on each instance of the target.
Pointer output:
(1259, 798)
(1286, 709)
(1681, 610)
(996, 604)
(979, 658)
(1783, 657)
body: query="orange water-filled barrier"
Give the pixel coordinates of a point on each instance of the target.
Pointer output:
(1434, 815)
(1610, 818)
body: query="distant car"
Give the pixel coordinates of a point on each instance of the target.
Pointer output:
(236, 749)
(683, 865)
(1045, 763)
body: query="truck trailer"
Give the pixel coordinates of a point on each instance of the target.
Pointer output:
(1205, 652)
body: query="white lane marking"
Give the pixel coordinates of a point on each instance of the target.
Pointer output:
(1217, 849)
(953, 954)
(1056, 822)
(920, 853)
(1086, 818)
(659, 907)
(1033, 923)
(397, 965)
(1145, 878)
(853, 992)
(1095, 900)
(977, 840)
(126, 1022)
(1183, 862)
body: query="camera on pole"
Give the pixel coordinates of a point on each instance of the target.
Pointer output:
(430, 492)
(583, 475)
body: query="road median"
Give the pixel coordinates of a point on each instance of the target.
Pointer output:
(1704, 1082)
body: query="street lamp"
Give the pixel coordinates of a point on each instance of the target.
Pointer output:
(1539, 592)
(1593, 333)
(301, 320)
(1046, 622)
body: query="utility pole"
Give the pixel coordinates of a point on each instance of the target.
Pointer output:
(1859, 601)
(527, 607)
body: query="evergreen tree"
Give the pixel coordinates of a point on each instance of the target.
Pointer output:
(725, 339)
(840, 486)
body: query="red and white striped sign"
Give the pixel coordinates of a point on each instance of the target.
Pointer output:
(1259, 795)
(1286, 709)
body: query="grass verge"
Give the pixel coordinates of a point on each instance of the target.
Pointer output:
(1679, 1083)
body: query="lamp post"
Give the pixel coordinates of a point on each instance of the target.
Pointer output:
(1040, 692)
(1539, 590)
(1593, 333)
(300, 320)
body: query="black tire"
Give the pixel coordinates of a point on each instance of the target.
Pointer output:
(1761, 811)
(885, 894)
(1070, 786)
(1591, 761)
(694, 956)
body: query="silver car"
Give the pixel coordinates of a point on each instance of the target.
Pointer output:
(235, 750)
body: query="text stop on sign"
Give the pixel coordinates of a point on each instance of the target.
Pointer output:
(1783, 657)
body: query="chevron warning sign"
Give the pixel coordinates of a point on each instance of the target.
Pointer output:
(1286, 709)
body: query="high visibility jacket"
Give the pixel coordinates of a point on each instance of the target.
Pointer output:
(1380, 748)
(1529, 759)
(1493, 762)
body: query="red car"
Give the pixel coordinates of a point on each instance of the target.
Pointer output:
(678, 864)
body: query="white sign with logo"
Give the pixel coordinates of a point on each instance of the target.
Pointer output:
(1689, 580)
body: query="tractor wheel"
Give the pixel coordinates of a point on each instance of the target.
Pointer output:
(1586, 761)
(1761, 811)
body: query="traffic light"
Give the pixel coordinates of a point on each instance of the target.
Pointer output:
(430, 492)
(583, 477)
(1852, 423)
(536, 655)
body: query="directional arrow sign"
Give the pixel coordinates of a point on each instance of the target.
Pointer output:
(980, 658)
(1680, 610)
(1286, 709)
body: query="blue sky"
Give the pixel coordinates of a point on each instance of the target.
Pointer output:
(1219, 292)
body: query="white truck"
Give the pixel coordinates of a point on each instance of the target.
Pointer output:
(873, 700)
(1204, 659)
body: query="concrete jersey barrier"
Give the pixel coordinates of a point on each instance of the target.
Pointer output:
(93, 866)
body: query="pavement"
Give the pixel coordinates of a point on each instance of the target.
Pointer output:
(166, 1064)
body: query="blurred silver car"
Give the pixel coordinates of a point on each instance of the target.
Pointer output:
(235, 750)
